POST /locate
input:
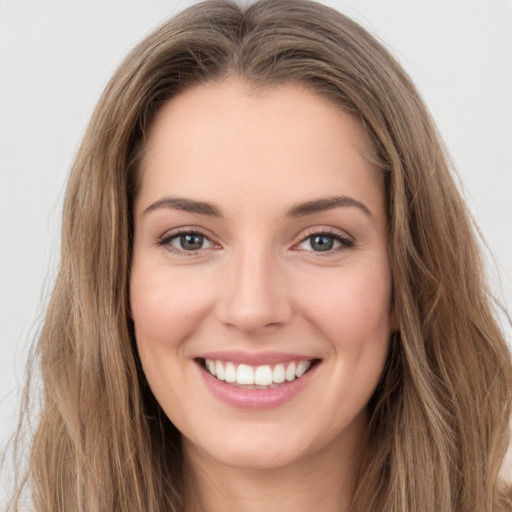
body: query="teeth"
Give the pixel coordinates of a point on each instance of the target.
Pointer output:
(244, 374)
(219, 370)
(263, 375)
(278, 374)
(290, 372)
(210, 366)
(302, 368)
(230, 373)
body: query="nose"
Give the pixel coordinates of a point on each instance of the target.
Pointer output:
(254, 294)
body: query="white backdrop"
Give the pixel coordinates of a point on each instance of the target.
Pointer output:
(56, 56)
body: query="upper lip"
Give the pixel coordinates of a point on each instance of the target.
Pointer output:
(255, 358)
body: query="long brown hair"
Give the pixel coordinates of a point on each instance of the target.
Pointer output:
(439, 417)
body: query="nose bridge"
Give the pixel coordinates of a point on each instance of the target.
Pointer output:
(255, 295)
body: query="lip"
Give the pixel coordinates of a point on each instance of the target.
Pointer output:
(253, 399)
(255, 359)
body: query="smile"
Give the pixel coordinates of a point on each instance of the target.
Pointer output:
(256, 381)
(256, 377)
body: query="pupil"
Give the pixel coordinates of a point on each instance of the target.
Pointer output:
(322, 243)
(191, 242)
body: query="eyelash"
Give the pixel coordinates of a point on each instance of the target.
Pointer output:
(166, 240)
(344, 241)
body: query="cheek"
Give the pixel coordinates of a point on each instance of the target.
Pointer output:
(166, 310)
(165, 307)
(352, 309)
(352, 315)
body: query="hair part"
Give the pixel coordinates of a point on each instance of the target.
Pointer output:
(439, 417)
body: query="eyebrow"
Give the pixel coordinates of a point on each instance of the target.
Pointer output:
(185, 205)
(298, 210)
(324, 204)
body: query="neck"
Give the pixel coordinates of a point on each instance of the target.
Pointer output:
(323, 481)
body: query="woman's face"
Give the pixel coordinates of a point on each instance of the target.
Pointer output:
(260, 252)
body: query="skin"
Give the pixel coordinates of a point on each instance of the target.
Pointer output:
(259, 284)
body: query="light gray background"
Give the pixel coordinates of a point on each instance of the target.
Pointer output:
(56, 56)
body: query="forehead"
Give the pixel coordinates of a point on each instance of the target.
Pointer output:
(227, 140)
(242, 110)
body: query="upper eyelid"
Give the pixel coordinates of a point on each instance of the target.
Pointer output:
(335, 232)
(173, 233)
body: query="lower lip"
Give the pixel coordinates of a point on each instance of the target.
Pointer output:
(256, 398)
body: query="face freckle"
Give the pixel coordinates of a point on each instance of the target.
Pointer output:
(260, 243)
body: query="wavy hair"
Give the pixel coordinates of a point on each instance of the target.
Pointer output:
(439, 418)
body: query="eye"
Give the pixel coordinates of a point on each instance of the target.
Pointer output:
(186, 242)
(325, 242)
(189, 242)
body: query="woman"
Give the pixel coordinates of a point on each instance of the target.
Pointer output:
(270, 293)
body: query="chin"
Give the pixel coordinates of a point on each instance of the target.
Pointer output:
(256, 457)
(271, 446)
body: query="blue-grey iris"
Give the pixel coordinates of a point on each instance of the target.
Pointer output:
(191, 242)
(322, 243)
